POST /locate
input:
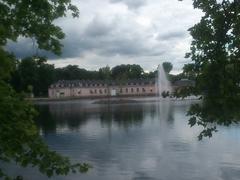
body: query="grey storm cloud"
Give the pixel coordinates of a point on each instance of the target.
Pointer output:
(109, 33)
(106, 39)
(98, 36)
(25, 47)
(97, 27)
(132, 4)
(172, 35)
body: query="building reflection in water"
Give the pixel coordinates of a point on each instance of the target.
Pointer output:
(72, 116)
(139, 141)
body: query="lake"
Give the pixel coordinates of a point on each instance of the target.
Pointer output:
(136, 141)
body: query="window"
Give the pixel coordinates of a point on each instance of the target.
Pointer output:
(131, 89)
(79, 92)
(95, 91)
(120, 90)
(151, 90)
(126, 90)
(137, 89)
(143, 90)
(105, 91)
(100, 91)
(91, 92)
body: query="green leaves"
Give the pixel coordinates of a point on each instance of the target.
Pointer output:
(207, 133)
(74, 9)
(213, 112)
(34, 19)
(128, 71)
(192, 121)
(7, 64)
(20, 141)
(215, 48)
(84, 167)
(167, 66)
(19, 138)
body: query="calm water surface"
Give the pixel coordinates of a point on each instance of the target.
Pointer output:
(137, 141)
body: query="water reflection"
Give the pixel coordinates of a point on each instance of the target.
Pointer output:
(137, 141)
(125, 116)
(213, 112)
(50, 118)
(165, 111)
(73, 116)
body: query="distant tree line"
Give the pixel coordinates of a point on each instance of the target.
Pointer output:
(34, 74)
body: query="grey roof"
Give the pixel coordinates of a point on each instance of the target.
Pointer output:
(101, 83)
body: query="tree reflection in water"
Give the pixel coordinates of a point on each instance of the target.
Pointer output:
(213, 112)
(55, 117)
(52, 116)
(123, 116)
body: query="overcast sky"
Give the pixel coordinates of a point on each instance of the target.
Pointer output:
(113, 32)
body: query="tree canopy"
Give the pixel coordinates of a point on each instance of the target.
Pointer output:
(32, 72)
(215, 48)
(215, 52)
(34, 19)
(127, 71)
(19, 138)
(167, 66)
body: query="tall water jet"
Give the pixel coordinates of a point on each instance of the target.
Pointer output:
(163, 89)
(163, 85)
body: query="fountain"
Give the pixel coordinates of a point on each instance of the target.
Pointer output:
(162, 83)
(163, 90)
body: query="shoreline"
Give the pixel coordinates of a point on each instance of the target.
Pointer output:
(116, 99)
(47, 99)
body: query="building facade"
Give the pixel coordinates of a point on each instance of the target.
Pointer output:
(84, 88)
